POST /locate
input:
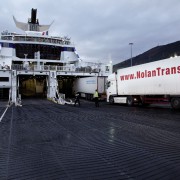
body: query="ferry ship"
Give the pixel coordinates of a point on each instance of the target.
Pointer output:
(35, 64)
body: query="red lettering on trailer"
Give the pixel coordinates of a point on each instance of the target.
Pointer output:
(167, 71)
(178, 69)
(151, 73)
(173, 70)
(158, 71)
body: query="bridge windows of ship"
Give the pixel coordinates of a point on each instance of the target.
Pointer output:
(46, 51)
(37, 39)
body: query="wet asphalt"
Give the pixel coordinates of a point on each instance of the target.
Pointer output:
(44, 140)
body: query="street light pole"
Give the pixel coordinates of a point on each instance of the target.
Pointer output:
(131, 44)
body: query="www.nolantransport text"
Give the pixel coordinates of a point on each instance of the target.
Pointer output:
(151, 73)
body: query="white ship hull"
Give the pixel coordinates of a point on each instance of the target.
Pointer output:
(35, 64)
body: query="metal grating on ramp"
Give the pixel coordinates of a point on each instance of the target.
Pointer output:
(65, 142)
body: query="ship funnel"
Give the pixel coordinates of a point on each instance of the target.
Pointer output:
(33, 23)
(33, 19)
(33, 16)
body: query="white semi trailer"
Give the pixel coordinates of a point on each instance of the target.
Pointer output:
(154, 82)
(86, 86)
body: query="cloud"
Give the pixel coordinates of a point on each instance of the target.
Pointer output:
(102, 27)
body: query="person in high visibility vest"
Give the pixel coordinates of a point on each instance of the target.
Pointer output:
(96, 98)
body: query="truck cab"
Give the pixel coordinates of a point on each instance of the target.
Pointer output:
(111, 88)
(151, 83)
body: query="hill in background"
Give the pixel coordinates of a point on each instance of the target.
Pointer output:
(154, 54)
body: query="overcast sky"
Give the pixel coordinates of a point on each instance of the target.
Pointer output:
(102, 29)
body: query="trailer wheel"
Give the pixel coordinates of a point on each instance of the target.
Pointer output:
(130, 101)
(111, 100)
(175, 103)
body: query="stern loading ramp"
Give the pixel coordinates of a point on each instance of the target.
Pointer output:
(30, 86)
(110, 142)
(36, 86)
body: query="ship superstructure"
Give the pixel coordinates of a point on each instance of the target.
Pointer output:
(37, 64)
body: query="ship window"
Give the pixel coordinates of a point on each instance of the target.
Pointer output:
(5, 44)
(108, 84)
(4, 79)
(71, 49)
(107, 68)
(46, 52)
(33, 27)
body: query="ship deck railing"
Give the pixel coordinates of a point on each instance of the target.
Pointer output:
(20, 67)
(38, 39)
